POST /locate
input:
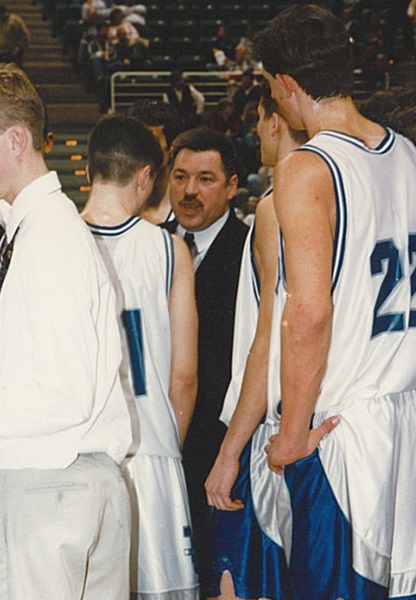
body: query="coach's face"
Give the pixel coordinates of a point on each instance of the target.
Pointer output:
(199, 191)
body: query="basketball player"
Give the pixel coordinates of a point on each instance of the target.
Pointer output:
(237, 531)
(154, 274)
(346, 319)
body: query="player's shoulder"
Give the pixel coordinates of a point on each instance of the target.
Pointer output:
(265, 208)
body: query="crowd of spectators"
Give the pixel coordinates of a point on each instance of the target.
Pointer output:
(117, 35)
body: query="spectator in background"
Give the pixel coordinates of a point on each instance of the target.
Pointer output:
(242, 62)
(14, 37)
(397, 16)
(124, 49)
(135, 13)
(187, 100)
(224, 120)
(246, 41)
(88, 4)
(249, 91)
(138, 55)
(94, 40)
(223, 47)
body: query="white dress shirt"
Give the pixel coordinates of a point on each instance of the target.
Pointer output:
(204, 239)
(60, 350)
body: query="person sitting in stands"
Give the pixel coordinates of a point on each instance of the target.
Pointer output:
(187, 100)
(14, 37)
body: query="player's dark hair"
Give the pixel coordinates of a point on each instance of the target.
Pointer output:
(118, 146)
(311, 45)
(270, 106)
(156, 113)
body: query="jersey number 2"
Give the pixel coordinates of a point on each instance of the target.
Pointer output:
(387, 252)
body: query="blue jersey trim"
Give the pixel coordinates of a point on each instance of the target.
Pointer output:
(341, 212)
(282, 274)
(113, 230)
(383, 147)
(169, 260)
(255, 279)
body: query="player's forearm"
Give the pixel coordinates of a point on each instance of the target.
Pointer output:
(252, 404)
(182, 394)
(305, 343)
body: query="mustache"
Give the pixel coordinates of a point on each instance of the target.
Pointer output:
(190, 199)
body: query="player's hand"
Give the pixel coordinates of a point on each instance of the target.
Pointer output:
(279, 458)
(220, 482)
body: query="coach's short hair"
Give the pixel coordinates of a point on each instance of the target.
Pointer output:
(311, 45)
(120, 145)
(20, 103)
(202, 139)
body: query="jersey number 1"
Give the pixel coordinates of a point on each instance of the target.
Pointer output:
(132, 322)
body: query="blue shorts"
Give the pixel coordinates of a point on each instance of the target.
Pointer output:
(346, 514)
(257, 564)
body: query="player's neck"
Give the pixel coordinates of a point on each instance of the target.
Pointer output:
(157, 214)
(341, 114)
(109, 205)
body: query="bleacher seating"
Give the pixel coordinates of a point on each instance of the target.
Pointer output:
(128, 87)
(68, 158)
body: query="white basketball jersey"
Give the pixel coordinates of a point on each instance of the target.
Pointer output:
(373, 343)
(139, 258)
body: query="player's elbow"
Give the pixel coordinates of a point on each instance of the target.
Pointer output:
(185, 384)
(305, 320)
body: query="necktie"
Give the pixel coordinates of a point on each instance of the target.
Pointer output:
(6, 250)
(189, 239)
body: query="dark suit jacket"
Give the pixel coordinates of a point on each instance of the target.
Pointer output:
(216, 282)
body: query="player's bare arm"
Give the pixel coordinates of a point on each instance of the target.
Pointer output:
(184, 330)
(252, 403)
(305, 207)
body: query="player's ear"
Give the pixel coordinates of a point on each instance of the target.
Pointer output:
(287, 83)
(18, 138)
(144, 177)
(275, 124)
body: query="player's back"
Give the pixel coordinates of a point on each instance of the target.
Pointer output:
(139, 258)
(373, 341)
